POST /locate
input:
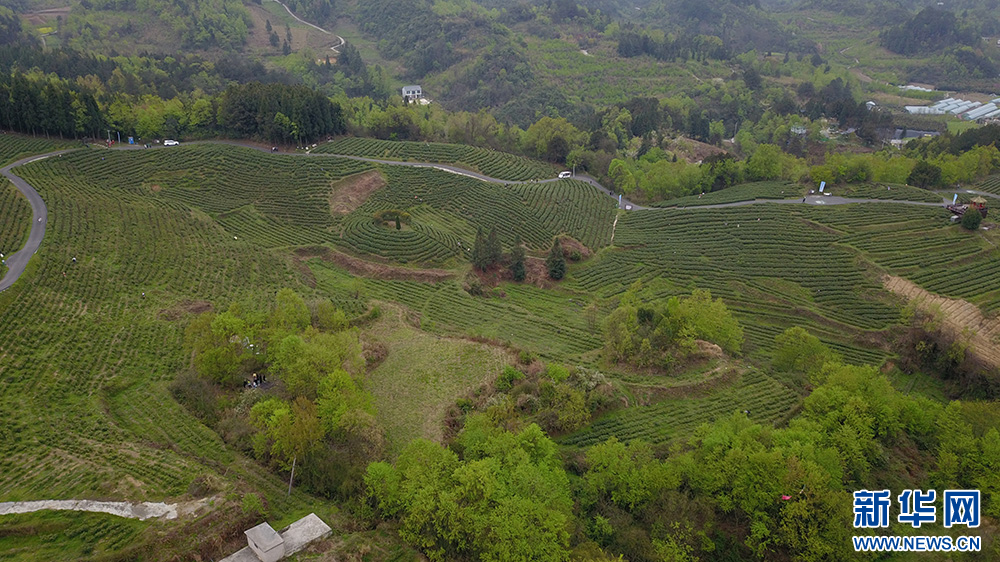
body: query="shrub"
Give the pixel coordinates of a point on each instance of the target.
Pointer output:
(971, 219)
(506, 379)
(556, 372)
(253, 505)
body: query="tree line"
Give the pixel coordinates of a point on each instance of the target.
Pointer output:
(34, 104)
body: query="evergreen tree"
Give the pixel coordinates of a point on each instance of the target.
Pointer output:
(479, 252)
(517, 260)
(494, 252)
(556, 262)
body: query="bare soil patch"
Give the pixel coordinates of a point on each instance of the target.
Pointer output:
(185, 307)
(155, 188)
(570, 245)
(351, 192)
(367, 268)
(957, 314)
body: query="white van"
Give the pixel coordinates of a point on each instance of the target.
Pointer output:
(563, 175)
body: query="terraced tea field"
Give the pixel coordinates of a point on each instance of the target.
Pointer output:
(14, 147)
(893, 192)
(500, 165)
(549, 323)
(87, 349)
(744, 192)
(767, 400)
(15, 220)
(447, 209)
(990, 185)
(85, 358)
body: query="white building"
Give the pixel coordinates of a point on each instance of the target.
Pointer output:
(411, 93)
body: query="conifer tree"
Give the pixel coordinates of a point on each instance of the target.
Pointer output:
(494, 252)
(556, 263)
(517, 260)
(479, 254)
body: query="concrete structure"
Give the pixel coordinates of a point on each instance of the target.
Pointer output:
(411, 93)
(266, 543)
(296, 537)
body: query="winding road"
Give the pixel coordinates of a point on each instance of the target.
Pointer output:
(18, 261)
(314, 26)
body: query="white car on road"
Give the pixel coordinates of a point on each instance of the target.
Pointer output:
(563, 175)
(170, 143)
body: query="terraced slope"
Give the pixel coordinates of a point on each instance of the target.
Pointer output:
(500, 165)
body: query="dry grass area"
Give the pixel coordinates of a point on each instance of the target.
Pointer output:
(957, 314)
(351, 192)
(692, 150)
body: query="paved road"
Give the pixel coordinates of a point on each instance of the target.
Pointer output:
(17, 261)
(811, 200)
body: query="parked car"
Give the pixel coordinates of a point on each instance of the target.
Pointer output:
(564, 174)
(170, 143)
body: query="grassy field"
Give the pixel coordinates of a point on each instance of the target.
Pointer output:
(422, 374)
(500, 165)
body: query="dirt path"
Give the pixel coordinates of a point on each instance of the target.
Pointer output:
(140, 511)
(957, 314)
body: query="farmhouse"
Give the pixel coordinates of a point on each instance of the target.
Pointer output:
(412, 93)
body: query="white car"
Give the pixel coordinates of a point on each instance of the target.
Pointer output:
(170, 143)
(563, 175)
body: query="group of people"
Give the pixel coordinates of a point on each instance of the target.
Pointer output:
(255, 381)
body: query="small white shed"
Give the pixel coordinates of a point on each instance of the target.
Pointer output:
(266, 543)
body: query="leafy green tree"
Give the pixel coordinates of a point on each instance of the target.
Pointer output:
(329, 318)
(506, 498)
(303, 362)
(627, 474)
(798, 350)
(556, 262)
(765, 163)
(338, 395)
(287, 433)
(517, 260)
(701, 317)
(290, 313)
(971, 219)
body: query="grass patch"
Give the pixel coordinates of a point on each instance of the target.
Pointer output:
(423, 374)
